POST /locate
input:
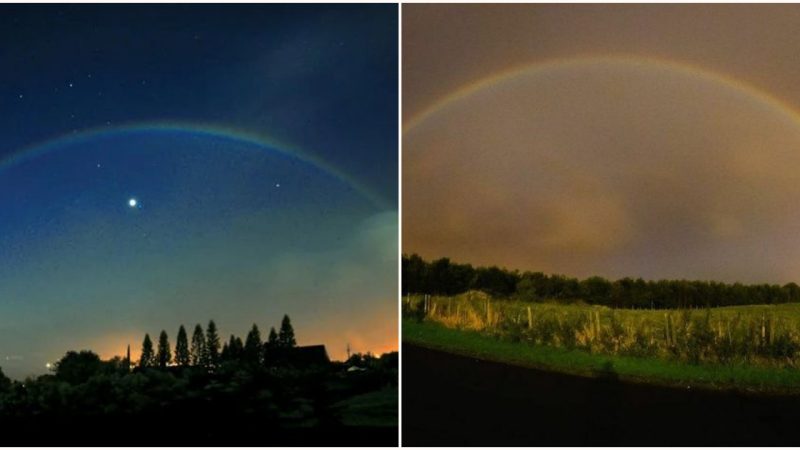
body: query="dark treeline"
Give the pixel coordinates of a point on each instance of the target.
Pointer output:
(443, 277)
(206, 351)
(251, 391)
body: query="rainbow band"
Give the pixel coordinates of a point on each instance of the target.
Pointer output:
(36, 150)
(753, 92)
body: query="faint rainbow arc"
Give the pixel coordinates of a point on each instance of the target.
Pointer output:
(526, 69)
(44, 147)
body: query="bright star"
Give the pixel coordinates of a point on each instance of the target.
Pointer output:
(132, 203)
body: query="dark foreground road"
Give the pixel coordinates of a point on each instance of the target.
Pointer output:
(455, 400)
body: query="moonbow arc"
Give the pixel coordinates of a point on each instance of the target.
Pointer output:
(42, 148)
(740, 86)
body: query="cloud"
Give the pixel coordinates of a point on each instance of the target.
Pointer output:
(609, 168)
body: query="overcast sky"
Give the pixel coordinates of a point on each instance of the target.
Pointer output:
(658, 141)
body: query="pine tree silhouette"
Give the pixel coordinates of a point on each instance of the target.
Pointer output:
(198, 346)
(211, 354)
(286, 335)
(182, 355)
(252, 346)
(272, 341)
(270, 348)
(164, 355)
(147, 359)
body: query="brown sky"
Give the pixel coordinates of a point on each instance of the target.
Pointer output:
(448, 45)
(663, 145)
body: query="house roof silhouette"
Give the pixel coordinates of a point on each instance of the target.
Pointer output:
(309, 355)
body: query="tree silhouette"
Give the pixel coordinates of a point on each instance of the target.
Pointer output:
(148, 358)
(286, 335)
(225, 354)
(238, 348)
(232, 350)
(5, 382)
(270, 348)
(164, 356)
(272, 341)
(198, 346)
(77, 367)
(211, 354)
(182, 356)
(444, 277)
(252, 346)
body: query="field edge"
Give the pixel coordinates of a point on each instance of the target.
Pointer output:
(740, 379)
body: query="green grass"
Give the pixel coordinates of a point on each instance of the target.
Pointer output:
(577, 362)
(753, 336)
(373, 409)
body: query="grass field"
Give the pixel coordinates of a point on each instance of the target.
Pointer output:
(375, 409)
(746, 347)
(578, 362)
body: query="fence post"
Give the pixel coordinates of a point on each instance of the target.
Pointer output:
(667, 329)
(530, 318)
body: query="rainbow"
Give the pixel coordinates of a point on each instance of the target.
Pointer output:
(42, 148)
(743, 88)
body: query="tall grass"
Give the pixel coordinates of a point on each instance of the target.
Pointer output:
(754, 335)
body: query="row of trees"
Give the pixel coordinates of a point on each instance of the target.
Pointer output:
(205, 350)
(443, 277)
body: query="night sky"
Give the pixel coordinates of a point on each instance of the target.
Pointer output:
(169, 164)
(654, 141)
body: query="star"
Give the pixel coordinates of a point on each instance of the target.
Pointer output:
(277, 185)
(132, 203)
(20, 95)
(70, 84)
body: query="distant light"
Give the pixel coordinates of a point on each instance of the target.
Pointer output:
(48, 365)
(132, 203)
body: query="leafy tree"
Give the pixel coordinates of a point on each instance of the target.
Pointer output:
(286, 335)
(198, 346)
(211, 354)
(164, 356)
(147, 359)
(77, 367)
(182, 355)
(444, 277)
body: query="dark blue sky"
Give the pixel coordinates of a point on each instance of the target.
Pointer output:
(227, 225)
